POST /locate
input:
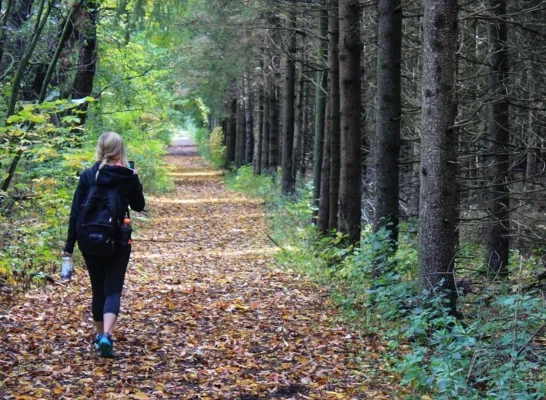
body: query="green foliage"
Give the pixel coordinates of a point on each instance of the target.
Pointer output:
(211, 147)
(244, 180)
(488, 355)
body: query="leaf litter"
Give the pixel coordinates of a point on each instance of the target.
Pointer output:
(205, 315)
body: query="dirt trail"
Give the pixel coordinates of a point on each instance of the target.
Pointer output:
(204, 316)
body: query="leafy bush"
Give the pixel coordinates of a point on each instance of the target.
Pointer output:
(488, 355)
(210, 146)
(244, 180)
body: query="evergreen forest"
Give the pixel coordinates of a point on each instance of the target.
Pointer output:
(346, 199)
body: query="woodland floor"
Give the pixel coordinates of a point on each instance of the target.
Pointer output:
(205, 315)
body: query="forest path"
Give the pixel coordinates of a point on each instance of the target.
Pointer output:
(203, 316)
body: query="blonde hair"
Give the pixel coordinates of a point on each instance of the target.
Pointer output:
(110, 149)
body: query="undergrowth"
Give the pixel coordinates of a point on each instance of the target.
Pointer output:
(492, 353)
(34, 211)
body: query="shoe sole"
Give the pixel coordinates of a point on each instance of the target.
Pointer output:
(106, 350)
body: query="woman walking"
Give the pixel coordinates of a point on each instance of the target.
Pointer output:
(107, 270)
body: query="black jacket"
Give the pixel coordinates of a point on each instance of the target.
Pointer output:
(130, 194)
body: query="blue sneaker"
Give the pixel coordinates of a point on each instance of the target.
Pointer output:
(96, 341)
(105, 346)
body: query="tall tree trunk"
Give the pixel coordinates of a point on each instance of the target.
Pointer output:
(415, 177)
(298, 117)
(389, 108)
(438, 201)
(320, 98)
(349, 76)
(67, 30)
(41, 20)
(288, 180)
(265, 129)
(274, 130)
(259, 133)
(87, 62)
(498, 143)
(240, 141)
(324, 204)
(304, 129)
(334, 124)
(249, 119)
(231, 131)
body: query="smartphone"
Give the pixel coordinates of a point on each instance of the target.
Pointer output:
(131, 165)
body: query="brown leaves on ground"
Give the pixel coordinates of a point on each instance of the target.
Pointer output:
(204, 316)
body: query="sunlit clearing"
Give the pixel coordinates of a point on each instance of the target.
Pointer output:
(220, 253)
(212, 216)
(234, 200)
(195, 174)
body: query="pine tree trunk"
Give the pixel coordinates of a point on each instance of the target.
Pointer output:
(320, 98)
(259, 133)
(231, 132)
(274, 131)
(304, 130)
(249, 119)
(387, 154)
(265, 130)
(298, 119)
(334, 127)
(350, 108)
(324, 204)
(498, 144)
(288, 180)
(438, 200)
(240, 141)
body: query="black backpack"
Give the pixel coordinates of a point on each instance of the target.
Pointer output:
(99, 221)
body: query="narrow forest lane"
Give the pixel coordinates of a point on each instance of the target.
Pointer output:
(204, 316)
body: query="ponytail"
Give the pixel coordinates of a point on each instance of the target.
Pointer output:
(101, 166)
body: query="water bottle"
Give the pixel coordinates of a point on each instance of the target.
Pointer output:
(126, 231)
(67, 267)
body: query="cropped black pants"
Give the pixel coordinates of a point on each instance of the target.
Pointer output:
(107, 277)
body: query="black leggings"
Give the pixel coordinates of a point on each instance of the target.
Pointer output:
(107, 276)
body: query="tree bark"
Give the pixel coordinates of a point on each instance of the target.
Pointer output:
(288, 180)
(298, 119)
(87, 62)
(498, 143)
(438, 198)
(265, 130)
(324, 204)
(320, 107)
(41, 20)
(389, 108)
(240, 136)
(273, 130)
(231, 131)
(349, 76)
(259, 133)
(334, 127)
(67, 30)
(249, 119)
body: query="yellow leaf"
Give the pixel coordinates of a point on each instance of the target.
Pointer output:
(141, 396)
